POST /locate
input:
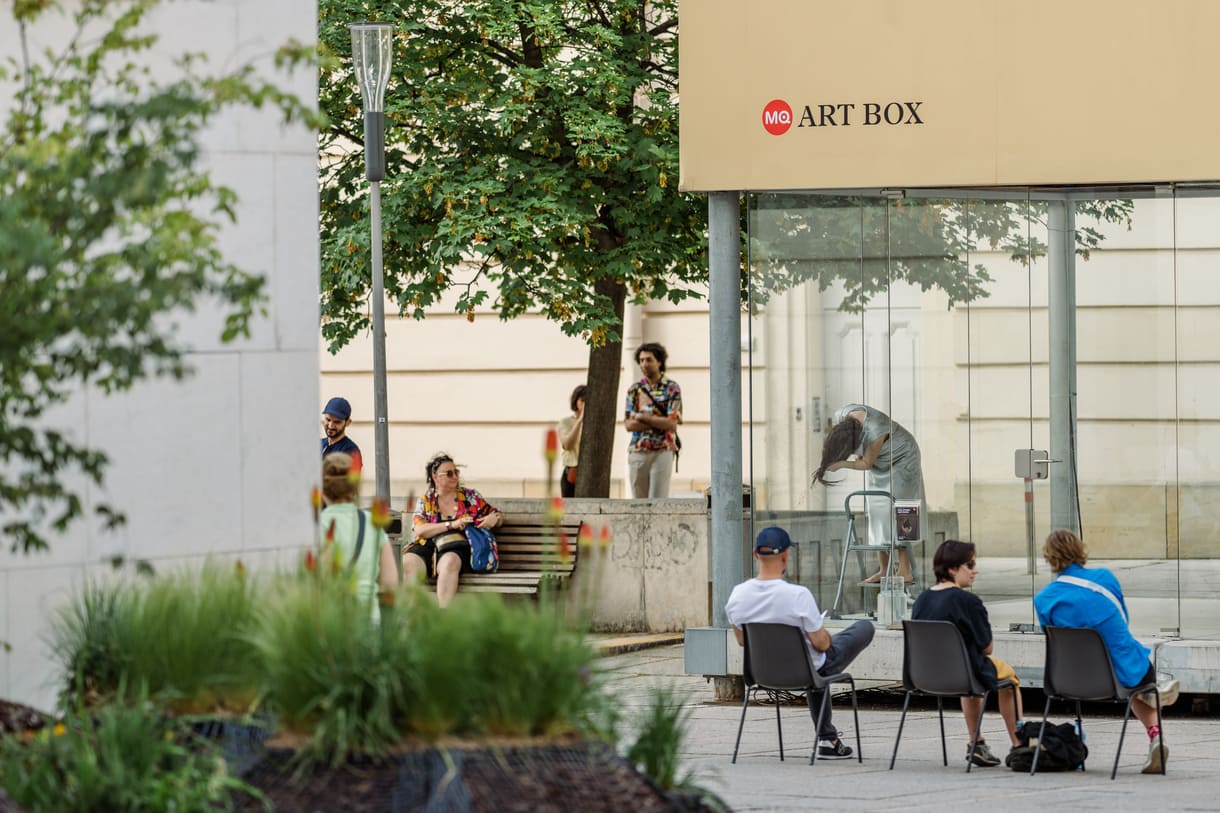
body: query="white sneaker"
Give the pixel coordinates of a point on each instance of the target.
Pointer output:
(1158, 755)
(1169, 694)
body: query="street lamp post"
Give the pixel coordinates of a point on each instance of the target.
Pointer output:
(371, 54)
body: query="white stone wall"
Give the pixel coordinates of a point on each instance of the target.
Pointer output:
(222, 463)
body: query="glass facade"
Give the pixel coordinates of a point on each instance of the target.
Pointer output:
(1077, 329)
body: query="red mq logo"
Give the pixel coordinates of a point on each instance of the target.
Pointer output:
(777, 117)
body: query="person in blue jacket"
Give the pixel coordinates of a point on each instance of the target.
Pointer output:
(1091, 597)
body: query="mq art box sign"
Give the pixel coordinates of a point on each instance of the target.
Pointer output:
(844, 94)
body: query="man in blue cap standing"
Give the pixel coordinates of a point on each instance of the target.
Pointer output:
(336, 417)
(769, 599)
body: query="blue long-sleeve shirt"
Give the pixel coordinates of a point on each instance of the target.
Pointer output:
(1061, 604)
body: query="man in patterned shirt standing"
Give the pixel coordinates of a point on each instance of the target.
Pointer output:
(653, 412)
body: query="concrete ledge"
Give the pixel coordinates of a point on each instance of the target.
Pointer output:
(622, 644)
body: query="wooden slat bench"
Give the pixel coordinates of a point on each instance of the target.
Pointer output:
(529, 556)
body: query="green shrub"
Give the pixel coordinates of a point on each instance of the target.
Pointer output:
(120, 757)
(183, 636)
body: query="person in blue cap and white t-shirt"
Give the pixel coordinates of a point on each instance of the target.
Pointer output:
(769, 599)
(336, 417)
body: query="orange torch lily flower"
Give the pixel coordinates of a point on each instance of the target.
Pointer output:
(311, 560)
(353, 473)
(554, 511)
(604, 537)
(380, 514)
(584, 539)
(552, 444)
(565, 548)
(315, 499)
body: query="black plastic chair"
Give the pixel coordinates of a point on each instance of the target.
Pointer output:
(935, 663)
(1078, 667)
(778, 660)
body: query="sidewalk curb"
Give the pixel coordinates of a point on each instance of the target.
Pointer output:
(634, 643)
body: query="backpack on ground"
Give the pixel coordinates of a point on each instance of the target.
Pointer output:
(1061, 748)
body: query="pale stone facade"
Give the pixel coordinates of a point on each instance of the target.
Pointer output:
(486, 391)
(222, 463)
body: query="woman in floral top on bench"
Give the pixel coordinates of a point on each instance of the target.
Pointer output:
(440, 547)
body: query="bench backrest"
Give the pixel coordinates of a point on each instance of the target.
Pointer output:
(532, 543)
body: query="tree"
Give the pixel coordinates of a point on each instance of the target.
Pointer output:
(108, 227)
(532, 162)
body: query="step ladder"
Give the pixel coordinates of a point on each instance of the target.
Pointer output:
(852, 543)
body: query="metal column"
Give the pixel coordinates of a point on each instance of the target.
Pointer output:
(1061, 306)
(724, 266)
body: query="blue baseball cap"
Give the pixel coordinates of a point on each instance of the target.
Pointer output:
(771, 541)
(339, 408)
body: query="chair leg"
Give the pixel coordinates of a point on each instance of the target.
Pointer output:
(1121, 736)
(1160, 731)
(823, 705)
(741, 725)
(1046, 710)
(1080, 729)
(944, 749)
(906, 701)
(779, 729)
(978, 732)
(855, 713)
(815, 718)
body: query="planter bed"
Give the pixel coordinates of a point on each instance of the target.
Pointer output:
(514, 777)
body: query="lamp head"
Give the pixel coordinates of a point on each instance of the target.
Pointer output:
(371, 56)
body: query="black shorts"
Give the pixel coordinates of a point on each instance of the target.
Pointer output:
(1149, 677)
(432, 549)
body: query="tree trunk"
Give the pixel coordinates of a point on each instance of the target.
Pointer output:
(600, 436)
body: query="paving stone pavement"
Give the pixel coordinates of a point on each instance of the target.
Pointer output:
(919, 781)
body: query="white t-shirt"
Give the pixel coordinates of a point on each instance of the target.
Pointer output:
(775, 601)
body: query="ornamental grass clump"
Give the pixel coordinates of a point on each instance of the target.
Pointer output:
(190, 640)
(486, 667)
(86, 638)
(329, 673)
(183, 636)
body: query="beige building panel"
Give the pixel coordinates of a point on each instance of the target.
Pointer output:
(1126, 335)
(992, 445)
(995, 336)
(1131, 452)
(1128, 392)
(1011, 285)
(1197, 397)
(1196, 222)
(1199, 453)
(503, 460)
(1197, 277)
(446, 341)
(1198, 519)
(1132, 277)
(1120, 522)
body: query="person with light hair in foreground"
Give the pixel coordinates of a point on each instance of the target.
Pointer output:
(1091, 597)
